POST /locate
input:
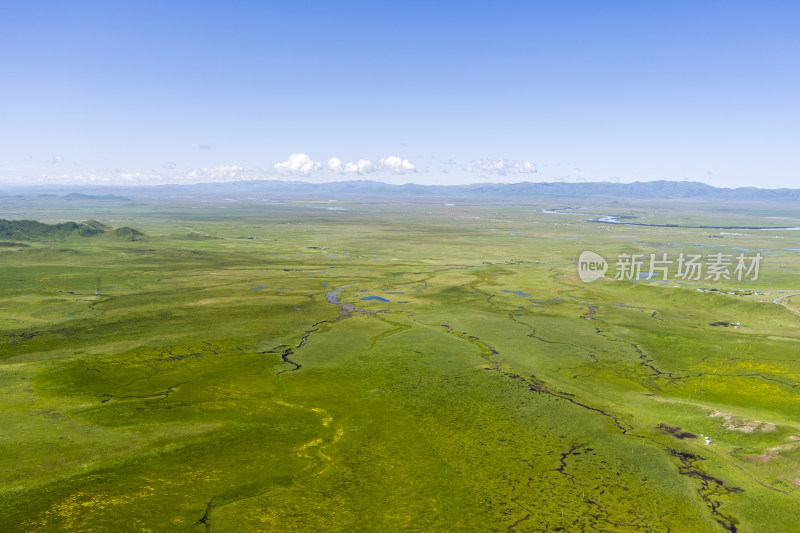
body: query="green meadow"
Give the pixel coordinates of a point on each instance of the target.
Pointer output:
(238, 366)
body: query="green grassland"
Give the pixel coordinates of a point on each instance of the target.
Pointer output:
(221, 372)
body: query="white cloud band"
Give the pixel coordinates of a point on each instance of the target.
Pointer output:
(501, 167)
(301, 164)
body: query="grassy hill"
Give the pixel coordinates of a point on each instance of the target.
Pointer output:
(33, 230)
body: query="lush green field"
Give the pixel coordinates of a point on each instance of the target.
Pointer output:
(226, 373)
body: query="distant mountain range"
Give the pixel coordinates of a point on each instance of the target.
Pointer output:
(518, 191)
(80, 196)
(525, 191)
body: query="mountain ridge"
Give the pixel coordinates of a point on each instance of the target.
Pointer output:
(660, 189)
(33, 230)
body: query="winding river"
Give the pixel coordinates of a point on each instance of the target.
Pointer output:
(622, 220)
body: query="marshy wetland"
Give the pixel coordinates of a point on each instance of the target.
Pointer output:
(260, 365)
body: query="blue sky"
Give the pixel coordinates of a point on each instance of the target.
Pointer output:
(429, 92)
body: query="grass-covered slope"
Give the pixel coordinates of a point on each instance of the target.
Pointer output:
(33, 230)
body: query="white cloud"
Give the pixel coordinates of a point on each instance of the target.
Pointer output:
(526, 167)
(335, 164)
(297, 165)
(302, 165)
(397, 165)
(501, 167)
(364, 166)
(221, 173)
(120, 177)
